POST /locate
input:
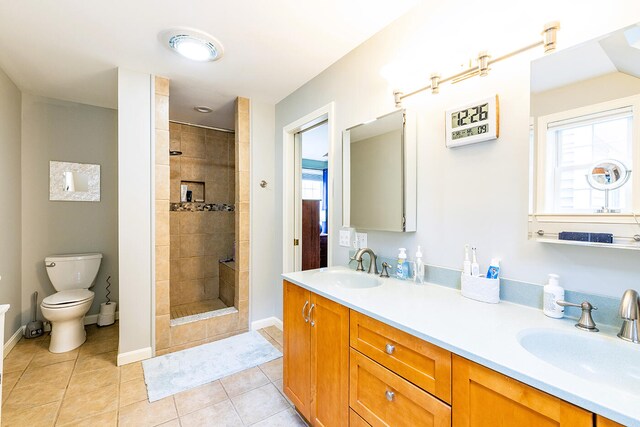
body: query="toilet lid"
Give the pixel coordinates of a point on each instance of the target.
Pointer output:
(65, 297)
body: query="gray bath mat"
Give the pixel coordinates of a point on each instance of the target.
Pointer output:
(183, 370)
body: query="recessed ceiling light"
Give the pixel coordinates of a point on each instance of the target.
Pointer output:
(192, 44)
(202, 109)
(633, 36)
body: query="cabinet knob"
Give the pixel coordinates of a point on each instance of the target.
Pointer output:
(306, 319)
(389, 348)
(389, 395)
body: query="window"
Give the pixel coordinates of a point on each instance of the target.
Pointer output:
(574, 144)
(312, 184)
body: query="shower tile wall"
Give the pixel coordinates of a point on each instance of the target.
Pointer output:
(200, 239)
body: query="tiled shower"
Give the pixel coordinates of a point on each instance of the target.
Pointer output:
(202, 231)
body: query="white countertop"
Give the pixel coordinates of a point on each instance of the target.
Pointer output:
(485, 333)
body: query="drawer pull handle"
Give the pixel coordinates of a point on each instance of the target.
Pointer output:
(390, 348)
(389, 395)
(306, 319)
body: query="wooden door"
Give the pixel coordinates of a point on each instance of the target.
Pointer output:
(605, 422)
(310, 234)
(297, 347)
(485, 398)
(329, 363)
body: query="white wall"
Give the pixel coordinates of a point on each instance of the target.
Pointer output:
(477, 194)
(264, 269)
(68, 132)
(10, 215)
(135, 213)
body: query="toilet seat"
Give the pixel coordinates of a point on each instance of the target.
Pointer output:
(65, 299)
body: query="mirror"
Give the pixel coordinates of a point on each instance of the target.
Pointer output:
(605, 176)
(379, 175)
(585, 134)
(77, 182)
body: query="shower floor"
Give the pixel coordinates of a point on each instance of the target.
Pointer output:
(198, 307)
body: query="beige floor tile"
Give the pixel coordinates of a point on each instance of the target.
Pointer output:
(223, 413)
(40, 416)
(259, 404)
(48, 358)
(17, 360)
(97, 347)
(199, 397)
(97, 362)
(58, 375)
(78, 407)
(172, 423)
(107, 419)
(132, 391)
(244, 381)
(29, 397)
(8, 382)
(288, 418)
(273, 369)
(87, 382)
(148, 414)
(280, 386)
(274, 333)
(132, 371)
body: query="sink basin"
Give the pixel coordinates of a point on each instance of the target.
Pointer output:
(351, 279)
(596, 358)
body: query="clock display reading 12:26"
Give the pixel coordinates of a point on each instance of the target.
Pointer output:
(475, 122)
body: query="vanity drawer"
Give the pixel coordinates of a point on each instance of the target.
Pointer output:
(356, 420)
(424, 364)
(382, 398)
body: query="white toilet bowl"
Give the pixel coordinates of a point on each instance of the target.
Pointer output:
(72, 276)
(67, 318)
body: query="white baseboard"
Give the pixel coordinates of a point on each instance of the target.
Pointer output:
(8, 346)
(135, 356)
(263, 323)
(92, 319)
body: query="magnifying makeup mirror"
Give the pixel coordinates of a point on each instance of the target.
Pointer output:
(607, 175)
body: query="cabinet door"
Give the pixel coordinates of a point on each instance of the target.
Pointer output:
(605, 422)
(482, 397)
(329, 363)
(297, 347)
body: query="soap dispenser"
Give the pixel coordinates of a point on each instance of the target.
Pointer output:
(419, 267)
(553, 292)
(402, 266)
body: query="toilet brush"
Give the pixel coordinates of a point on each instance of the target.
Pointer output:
(35, 328)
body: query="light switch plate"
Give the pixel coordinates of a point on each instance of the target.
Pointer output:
(344, 238)
(361, 240)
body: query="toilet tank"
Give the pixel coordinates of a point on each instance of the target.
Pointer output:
(72, 271)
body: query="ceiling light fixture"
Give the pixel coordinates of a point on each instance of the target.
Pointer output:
(203, 109)
(192, 44)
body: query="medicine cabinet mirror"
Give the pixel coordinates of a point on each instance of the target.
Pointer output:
(74, 182)
(379, 174)
(585, 134)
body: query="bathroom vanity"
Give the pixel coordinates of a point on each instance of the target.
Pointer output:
(360, 350)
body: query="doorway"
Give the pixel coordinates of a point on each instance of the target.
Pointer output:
(308, 154)
(312, 166)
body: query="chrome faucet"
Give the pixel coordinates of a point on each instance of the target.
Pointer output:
(629, 311)
(585, 322)
(372, 256)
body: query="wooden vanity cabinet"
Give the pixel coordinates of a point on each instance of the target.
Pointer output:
(605, 422)
(485, 398)
(316, 356)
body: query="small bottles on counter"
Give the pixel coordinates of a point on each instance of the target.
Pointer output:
(475, 267)
(466, 269)
(419, 273)
(553, 292)
(402, 268)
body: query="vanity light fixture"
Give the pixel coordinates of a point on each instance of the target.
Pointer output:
(192, 44)
(483, 64)
(203, 109)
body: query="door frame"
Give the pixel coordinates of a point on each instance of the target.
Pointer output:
(290, 257)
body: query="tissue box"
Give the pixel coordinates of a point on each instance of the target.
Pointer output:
(480, 288)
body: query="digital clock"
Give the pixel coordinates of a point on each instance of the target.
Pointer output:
(471, 123)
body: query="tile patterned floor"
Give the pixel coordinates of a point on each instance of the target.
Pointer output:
(184, 310)
(84, 387)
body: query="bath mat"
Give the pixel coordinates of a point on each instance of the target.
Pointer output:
(183, 370)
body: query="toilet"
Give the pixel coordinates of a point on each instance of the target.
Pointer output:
(71, 275)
